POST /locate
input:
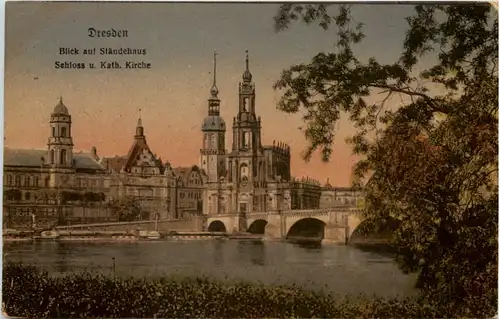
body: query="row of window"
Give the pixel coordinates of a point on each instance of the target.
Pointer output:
(190, 195)
(150, 170)
(27, 211)
(23, 180)
(34, 181)
(63, 132)
(195, 181)
(212, 138)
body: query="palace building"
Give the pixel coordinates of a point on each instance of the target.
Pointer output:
(141, 176)
(58, 186)
(55, 185)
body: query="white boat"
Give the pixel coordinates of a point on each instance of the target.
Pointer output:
(49, 234)
(149, 234)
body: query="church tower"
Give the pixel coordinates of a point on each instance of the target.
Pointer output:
(246, 126)
(213, 151)
(60, 143)
(246, 131)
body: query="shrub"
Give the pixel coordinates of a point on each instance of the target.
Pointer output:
(31, 293)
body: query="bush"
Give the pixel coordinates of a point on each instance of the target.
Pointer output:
(28, 292)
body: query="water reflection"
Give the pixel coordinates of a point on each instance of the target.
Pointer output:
(258, 253)
(218, 252)
(342, 269)
(308, 245)
(61, 264)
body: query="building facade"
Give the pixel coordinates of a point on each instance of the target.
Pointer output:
(251, 177)
(335, 196)
(43, 188)
(54, 186)
(160, 190)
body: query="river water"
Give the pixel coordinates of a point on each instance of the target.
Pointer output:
(337, 268)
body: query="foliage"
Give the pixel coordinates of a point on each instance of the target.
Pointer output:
(128, 209)
(30, 293)
(432, 161)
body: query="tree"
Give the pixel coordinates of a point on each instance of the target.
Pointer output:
(127, 210)
(432, 162)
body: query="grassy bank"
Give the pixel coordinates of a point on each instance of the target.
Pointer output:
(29, 292)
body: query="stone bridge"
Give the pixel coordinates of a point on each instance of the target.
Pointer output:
(332, 225)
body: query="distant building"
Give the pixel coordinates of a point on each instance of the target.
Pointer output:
(58, 186)
(142, 177)
(170, 193)
(251, 177)
(43, 188)
(306, 193)
(190, 186)
(335, 196)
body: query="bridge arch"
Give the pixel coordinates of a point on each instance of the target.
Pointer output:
(307, 227)
(217, 226)
(258, 226)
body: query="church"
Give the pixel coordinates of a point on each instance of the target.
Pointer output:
(58, 186)
(251, 176)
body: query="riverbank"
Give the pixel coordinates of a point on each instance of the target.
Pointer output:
(28, 292)
(120, 236)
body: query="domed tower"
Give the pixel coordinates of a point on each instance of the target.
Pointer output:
(60, 143)
(246, 126)
(213, 150)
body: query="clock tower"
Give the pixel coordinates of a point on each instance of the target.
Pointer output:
(213, 151)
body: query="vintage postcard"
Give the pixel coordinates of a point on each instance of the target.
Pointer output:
(249, 160)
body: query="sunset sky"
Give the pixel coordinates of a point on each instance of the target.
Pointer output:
(180, 40)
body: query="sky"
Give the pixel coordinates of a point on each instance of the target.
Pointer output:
(180, 39)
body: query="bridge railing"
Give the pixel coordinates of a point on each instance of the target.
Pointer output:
(340, 208)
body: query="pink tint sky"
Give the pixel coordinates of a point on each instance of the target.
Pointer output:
(180, 40)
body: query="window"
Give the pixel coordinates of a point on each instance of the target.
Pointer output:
(51, 156)
(212, 139)
(63, 157)
(36, 181)
(243, 170)
(246, 139)
(246, 104)
(27, 196)
(63, 131)
(53, 131)
(9, 179)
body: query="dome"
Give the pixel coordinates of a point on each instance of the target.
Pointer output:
(247, 76)
(213, 123)
(60, 108)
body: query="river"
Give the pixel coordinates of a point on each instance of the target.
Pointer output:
(336, 268)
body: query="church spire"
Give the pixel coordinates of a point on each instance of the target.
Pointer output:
(139, 130)
(213, 101)
(214, 90)
(247, 76)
